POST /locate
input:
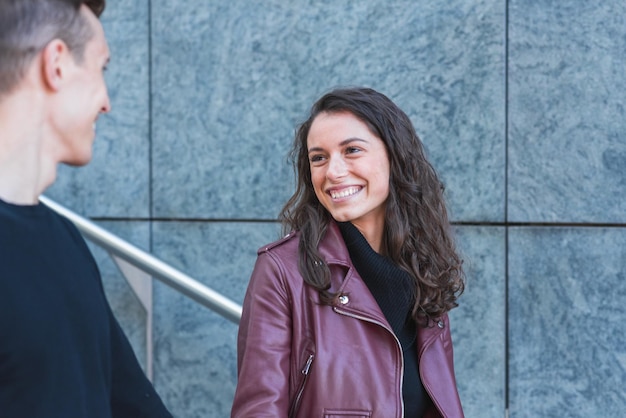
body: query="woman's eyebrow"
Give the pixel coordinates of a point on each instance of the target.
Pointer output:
(349, 140)
(342, 143)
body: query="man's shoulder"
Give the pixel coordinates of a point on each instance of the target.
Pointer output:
(20, 221)
(37, 223)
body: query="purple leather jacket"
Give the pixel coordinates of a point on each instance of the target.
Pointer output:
(298, 358)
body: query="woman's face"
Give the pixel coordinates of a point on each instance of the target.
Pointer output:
(350, 172)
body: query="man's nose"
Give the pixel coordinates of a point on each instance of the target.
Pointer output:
(106, 106)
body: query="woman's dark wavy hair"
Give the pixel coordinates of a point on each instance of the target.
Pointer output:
(417, 234)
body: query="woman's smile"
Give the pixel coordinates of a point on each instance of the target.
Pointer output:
(338, 194)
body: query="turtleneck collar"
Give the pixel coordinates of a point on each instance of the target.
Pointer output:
(392, 287)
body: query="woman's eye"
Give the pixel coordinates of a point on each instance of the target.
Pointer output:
(352, 150)
(316, 158)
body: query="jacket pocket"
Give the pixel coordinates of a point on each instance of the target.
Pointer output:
(346, 413)
(295, 402)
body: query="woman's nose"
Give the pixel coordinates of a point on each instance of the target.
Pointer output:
(337, 168)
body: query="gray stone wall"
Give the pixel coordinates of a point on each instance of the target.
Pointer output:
(520, 104)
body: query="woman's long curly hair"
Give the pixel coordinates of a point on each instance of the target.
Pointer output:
(417, 234)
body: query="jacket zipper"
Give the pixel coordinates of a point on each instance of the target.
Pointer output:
(296, 401)
(366, 319)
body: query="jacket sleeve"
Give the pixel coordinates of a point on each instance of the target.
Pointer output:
(437, 365)
(264, 344)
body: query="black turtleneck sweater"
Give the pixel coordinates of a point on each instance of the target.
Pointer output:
(393, 290)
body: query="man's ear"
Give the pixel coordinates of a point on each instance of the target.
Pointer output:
(55, 58)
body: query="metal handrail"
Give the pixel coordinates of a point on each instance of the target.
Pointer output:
(151, 265)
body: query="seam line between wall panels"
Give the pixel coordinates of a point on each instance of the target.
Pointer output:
(506, 209)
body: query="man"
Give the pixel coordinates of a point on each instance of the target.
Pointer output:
(62, 353)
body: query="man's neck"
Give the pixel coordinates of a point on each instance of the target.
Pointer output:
(25, 169)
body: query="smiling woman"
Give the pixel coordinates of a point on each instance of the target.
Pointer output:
(350, 172)
(347, 315)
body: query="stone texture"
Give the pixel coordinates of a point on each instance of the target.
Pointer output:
(232, 80)
(196, 362)
(478, 324)
(116, 182)
(567, 338)
(567, 149)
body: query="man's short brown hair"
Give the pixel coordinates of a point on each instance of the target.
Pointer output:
(27, 26)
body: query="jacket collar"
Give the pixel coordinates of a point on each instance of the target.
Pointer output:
(355, 297)
(332, 247)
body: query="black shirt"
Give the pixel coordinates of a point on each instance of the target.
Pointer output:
(62, 352)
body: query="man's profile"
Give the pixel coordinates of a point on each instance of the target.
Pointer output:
(62, 352)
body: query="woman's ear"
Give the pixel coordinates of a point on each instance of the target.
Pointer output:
(54, 60)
